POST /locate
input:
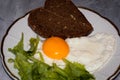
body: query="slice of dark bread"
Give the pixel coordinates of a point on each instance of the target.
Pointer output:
(47, 24)
(65, 21)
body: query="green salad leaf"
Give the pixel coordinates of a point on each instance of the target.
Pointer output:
(30, 68)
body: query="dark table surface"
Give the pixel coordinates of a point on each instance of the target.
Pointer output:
(10, 10)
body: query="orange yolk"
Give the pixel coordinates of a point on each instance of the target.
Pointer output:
(55, 48)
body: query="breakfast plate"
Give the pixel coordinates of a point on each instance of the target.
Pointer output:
(100, 24)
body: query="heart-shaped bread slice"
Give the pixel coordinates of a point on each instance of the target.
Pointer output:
(59, 18)
(47, 24)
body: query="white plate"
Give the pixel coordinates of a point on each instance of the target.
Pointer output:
(99, 23)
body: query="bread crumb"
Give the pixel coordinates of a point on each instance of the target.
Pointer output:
(72, 17)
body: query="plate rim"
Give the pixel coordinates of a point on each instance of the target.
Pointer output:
(11, 75)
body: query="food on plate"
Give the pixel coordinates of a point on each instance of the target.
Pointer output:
(92, 51)
(59, 18)
(30, 68)
(86, 55)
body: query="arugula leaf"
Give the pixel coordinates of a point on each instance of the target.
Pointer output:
(77, 71)
(24, 67)
(59, 70)
(19, 48)
(41, 57)
(20, 61)
(33, 46)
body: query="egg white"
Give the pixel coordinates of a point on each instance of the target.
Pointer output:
(92, 51)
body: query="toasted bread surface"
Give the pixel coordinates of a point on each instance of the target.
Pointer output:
(59, 18)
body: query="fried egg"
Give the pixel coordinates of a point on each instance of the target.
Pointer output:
(92, 51)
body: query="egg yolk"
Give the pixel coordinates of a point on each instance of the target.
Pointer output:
(55, 48)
